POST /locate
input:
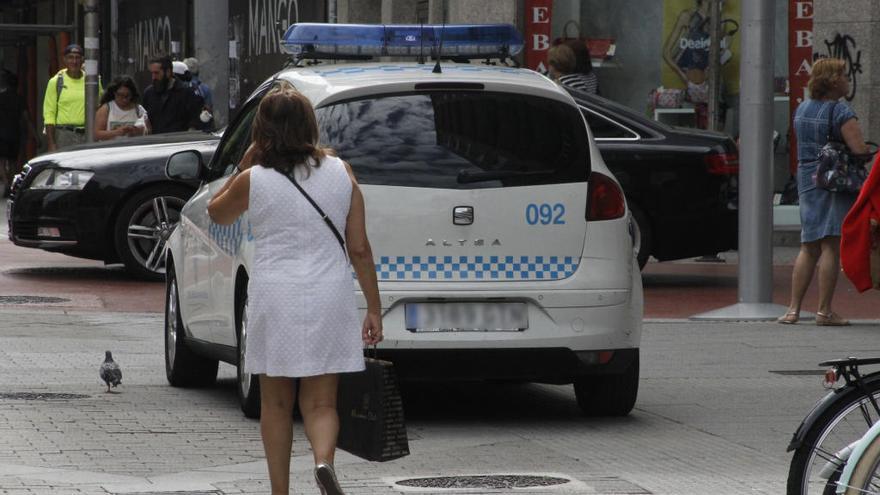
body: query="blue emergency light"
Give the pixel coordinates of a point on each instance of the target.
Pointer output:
(365, 41)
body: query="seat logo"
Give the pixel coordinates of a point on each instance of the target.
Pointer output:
(463, 215)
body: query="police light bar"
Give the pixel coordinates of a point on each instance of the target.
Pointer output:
(365, 41)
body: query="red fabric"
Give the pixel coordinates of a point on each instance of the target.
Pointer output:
(855, 240)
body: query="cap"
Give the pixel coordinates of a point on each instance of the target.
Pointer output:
(193, 64)
(179, 67)
(73, 48)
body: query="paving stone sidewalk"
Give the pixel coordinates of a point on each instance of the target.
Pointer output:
(711, 418)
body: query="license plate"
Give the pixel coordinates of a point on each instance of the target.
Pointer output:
(466, 317)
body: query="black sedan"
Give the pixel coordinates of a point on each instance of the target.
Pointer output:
(109, 201)
(680, 183)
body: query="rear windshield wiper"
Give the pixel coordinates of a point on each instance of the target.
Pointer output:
(467, 177)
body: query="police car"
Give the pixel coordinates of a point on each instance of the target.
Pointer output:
(503, 245)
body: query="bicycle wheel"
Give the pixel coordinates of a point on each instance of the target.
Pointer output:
(865, 478)
(845, 422)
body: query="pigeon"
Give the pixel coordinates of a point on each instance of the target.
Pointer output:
(110, 372)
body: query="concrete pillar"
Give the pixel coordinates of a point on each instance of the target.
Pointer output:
(359, 11)
(210, 25)
(848, 30)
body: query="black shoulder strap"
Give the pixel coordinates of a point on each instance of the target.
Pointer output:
(319, 210)
(830, 136)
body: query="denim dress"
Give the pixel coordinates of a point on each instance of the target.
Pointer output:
(822, 211)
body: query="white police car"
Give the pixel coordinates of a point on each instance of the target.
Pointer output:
(503, 244)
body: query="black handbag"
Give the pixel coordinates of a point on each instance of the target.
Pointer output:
(371, 421)
(839, 169)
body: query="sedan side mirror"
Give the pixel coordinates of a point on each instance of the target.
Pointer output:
(185, 165)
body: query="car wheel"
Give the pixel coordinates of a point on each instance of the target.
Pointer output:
(183, 367)
(644, 237)
(143, 226)
(248, 384)
(608, 395)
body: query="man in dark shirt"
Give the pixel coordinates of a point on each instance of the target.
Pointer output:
(170, 103)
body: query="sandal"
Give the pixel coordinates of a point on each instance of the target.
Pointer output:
(830, 320)
(789, 318)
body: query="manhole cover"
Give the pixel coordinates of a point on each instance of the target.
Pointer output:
(39, 396)
(496, 482)
(32, 300)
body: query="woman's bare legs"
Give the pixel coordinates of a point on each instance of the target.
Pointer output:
(276, 427)
(829, 269)
(317, 404)
(802, 274)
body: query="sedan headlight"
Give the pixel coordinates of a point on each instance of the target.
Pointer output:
(61, 179)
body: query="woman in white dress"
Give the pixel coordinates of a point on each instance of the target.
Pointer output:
(302, 316)
(120, 113)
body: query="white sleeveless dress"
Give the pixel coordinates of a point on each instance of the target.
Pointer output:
(302, 315)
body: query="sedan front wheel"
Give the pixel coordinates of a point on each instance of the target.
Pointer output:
(143, 227)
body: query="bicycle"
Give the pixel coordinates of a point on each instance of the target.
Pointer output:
(862, 472)
(828, 434)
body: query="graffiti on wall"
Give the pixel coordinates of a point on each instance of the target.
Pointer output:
(844, 47)
(267, 21)
(147, 39)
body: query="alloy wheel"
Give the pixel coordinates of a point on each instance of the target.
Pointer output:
(149, 228)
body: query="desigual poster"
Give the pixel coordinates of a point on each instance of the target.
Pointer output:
(686, 40)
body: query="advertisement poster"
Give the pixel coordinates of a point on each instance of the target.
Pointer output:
(686, 39)
(537, 28)
(255, 31)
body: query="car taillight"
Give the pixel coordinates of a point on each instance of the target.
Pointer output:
(605, 200)
(722, 163)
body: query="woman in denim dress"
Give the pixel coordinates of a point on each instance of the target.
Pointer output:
(821, 211)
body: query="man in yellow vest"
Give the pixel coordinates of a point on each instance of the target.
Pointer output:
(64, 106)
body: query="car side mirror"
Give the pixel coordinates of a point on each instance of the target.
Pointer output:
(185, 165)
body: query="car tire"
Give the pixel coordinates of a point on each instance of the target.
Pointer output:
(183, 367)
(143, 226)
(644, 237)
(248, 385)
(609, 395)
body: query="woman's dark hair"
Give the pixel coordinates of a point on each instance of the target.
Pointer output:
(121, 82)
(583, 64)
(285, 131)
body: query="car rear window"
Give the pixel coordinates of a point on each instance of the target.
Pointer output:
(458, 139)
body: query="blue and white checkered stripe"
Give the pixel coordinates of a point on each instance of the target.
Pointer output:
(228, 237)
(488, 268)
